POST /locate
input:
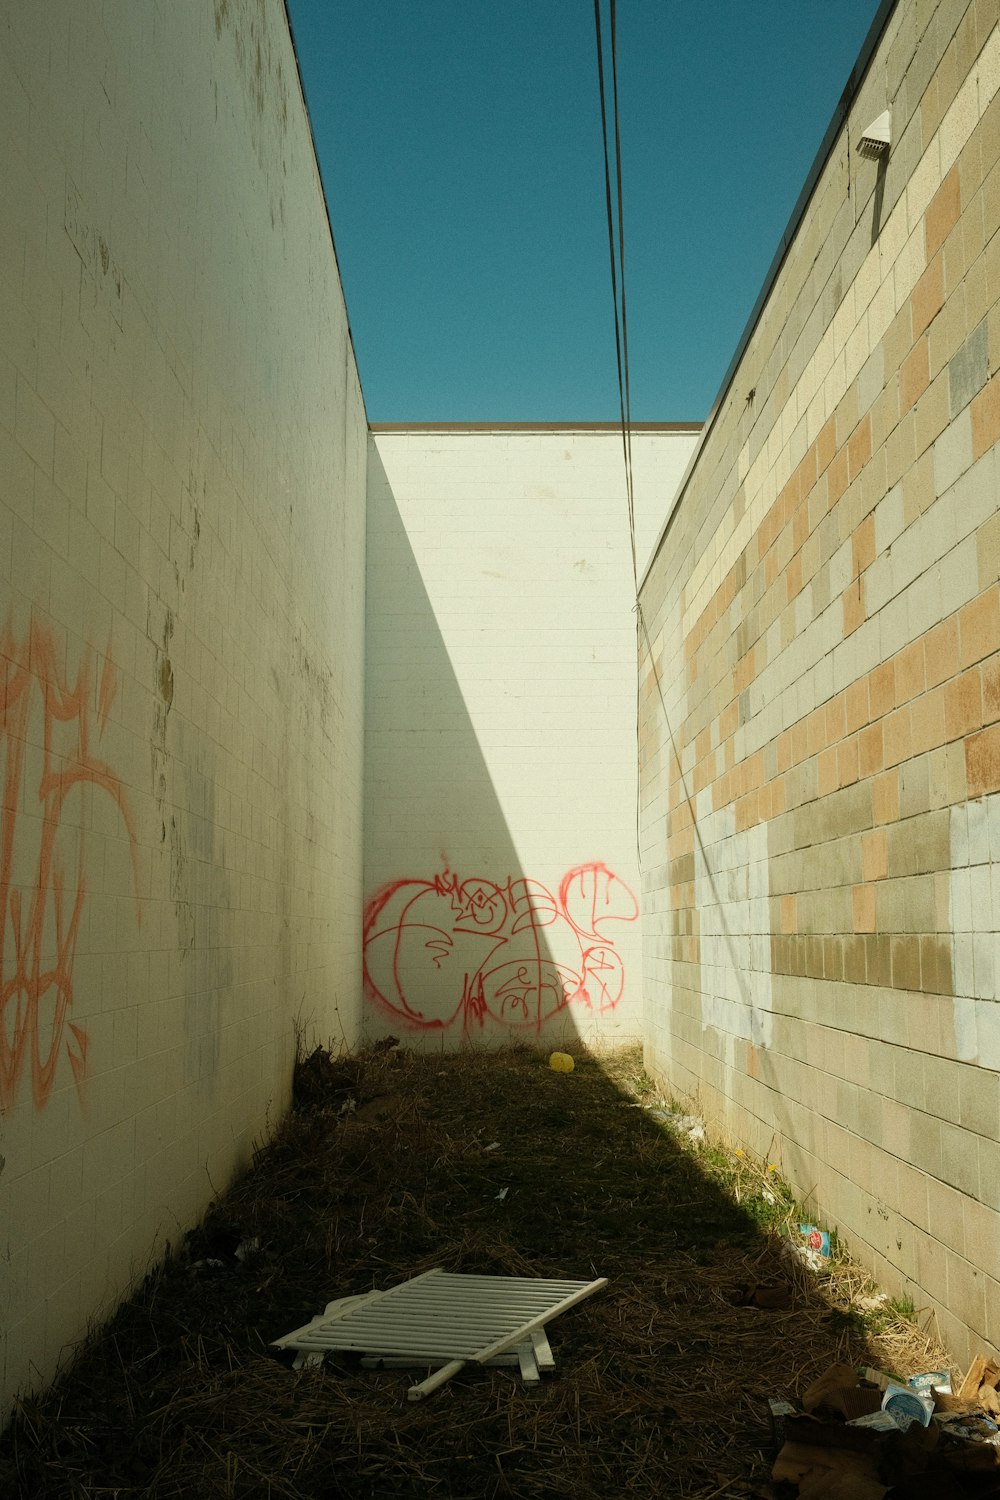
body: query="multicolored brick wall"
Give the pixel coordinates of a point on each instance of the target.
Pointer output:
(820, 699)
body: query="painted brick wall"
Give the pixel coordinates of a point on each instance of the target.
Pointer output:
(821, 815)
(182, 479)
(500, 781)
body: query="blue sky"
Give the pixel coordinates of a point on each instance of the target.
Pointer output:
(460, 147)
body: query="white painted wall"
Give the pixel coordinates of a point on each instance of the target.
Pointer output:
(500, 810)
(182, 480)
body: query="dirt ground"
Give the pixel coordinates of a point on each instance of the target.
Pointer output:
(394, 1163)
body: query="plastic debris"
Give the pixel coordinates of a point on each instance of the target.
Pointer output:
(693, 1126)
(906, 1406)
(801, 1255)
(816, 1239)
(561, 1062)
(934, 1382)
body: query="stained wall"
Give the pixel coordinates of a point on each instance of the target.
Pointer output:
(501, 873)
(182, 482)
(821, 779)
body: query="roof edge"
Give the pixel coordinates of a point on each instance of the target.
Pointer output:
(616, 427)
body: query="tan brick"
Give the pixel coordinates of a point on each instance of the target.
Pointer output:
(942, 212)
(835, 718)
(986, 418)
(914, 375)
(979, 627)
(871, 756)
(991, 689)
(927, 297)
(828, 778)
(800, 526)
(898, 737)
(837, 477)
(883, 689)
(857, 705)
(941, 652)
(910, 672)
(885, 797)
(982, 762)
(963, 703)
(863, 899)
(863, 545)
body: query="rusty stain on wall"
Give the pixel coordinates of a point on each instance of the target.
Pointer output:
(249, 25)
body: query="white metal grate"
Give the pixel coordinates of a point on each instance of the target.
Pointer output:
(442, 1316)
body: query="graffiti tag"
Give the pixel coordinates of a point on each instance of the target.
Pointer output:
(444, 950)
(45, 740)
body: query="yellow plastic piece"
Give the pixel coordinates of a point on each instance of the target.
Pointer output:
(561, 1062)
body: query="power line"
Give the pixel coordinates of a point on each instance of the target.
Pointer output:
(617, 254)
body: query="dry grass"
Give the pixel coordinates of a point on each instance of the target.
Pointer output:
(661, 1380)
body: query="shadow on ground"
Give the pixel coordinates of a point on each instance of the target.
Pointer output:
(661, 1380)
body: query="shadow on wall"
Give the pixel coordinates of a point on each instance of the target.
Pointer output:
(461, 945)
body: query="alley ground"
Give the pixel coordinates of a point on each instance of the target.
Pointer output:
(393, 1163)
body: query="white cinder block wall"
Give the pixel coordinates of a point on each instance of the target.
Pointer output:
(182, 481)
(501, 874)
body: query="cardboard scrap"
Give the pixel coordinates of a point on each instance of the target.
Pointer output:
(831, 1381)
(982, 1372)
(834, 1446)
(838, 1389)
(805, 1465)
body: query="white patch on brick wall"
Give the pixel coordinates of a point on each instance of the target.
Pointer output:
(731, 896)
(975, 928)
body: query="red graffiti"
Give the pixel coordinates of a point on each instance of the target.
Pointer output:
(444, 950)
(46, 757)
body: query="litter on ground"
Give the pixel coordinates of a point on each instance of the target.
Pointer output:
(659, 1385)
